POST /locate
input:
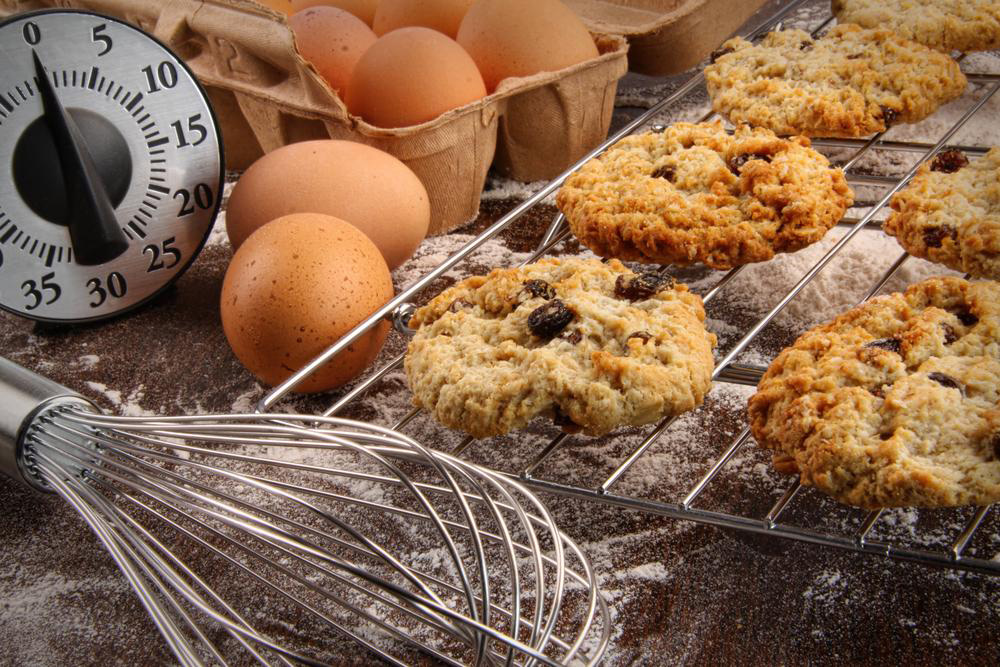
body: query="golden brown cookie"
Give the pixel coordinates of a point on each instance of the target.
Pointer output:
(592, 345)
(945, 25)
(950, 213)
(851, 82)
(695, 193)
(895, 403)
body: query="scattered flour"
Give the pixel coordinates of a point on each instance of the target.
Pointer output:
(246, 402)
(640, 553)
(842, 283)
(128, 406)
(88, 361)
(655, 571)
(503, 189)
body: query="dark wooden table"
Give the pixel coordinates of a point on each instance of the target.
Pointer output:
(681, 593)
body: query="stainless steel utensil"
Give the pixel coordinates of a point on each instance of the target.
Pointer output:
(227, 524)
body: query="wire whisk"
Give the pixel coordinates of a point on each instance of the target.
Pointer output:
(247, 538)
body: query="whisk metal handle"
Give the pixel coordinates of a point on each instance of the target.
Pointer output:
(24, 396)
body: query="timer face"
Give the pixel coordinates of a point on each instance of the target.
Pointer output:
(118, 141)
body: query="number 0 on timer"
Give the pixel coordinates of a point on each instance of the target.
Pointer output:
(111, 166)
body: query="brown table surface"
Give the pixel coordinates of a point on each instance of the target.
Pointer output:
(680, 592)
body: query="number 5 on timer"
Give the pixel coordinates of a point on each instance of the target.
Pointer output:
(111, 166)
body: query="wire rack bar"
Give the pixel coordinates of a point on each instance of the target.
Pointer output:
(775, 529)
(545, 453)
(771, 519)
(740, 440)
(624, 466)
(962, 541)
(899, 146)
(863, 539)
(514, 214)
(866, 527)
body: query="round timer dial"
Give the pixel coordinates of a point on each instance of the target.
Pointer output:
(111, 166)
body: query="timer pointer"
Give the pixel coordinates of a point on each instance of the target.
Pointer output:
(94, 231)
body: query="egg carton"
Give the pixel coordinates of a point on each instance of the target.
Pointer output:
(666, 36)
(265, 96)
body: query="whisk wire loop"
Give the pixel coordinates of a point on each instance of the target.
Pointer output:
(369, 546)
(58, 476)
(167, 426)
(106, 520)
(165, 498)
(167, 555)
(485, 581)
(180, 497)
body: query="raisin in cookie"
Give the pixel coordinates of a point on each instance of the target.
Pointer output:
(695, 193)
(849, 83)
(945, 25)
(950, 213)
(592, 345)
(895, 403)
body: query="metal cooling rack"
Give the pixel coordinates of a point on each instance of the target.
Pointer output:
(863, 539)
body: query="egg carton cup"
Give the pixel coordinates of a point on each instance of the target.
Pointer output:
(265, 95)
(666, 36)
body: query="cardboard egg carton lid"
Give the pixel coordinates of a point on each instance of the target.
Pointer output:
(265, 95)
(666, 36)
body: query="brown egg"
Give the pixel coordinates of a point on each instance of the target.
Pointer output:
(508, 38)
(293, 289)
(441, 15)
(410, 76)
(363, 9)
(367, 187)
(333, 40)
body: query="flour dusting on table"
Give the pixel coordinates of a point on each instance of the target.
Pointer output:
(680, 592)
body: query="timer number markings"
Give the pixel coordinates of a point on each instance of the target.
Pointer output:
(201, 196)
(135, 140)
(95, 81)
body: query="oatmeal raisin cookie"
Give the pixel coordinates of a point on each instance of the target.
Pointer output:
(894, 403)
(591, 345)
(950, 213)
(851, 82)
(695, 193)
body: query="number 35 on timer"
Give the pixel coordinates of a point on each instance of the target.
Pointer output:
(111, 166)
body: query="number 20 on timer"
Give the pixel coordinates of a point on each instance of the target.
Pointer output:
(111, 166)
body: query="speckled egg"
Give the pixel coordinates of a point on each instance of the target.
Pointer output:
(332, 40)
(294, 288)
